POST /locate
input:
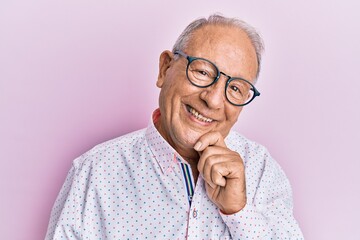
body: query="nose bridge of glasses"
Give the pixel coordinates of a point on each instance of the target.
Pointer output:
(227, 76)
(220, 85)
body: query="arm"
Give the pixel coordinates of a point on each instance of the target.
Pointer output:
(258, 206)
(268, 214)
(62, 224)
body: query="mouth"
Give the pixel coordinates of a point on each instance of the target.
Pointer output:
(198, 115)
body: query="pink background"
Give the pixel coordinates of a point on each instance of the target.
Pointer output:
(76, 73)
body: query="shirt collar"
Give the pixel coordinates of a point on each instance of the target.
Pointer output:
(162, 151)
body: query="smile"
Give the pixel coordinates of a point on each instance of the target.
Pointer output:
(197, 115)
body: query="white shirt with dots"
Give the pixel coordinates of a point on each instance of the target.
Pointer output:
(138, 187)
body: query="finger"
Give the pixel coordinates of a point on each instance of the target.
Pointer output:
(209, 139)
(206, 171)
(218, 174)
(209, 151)
(221, 171)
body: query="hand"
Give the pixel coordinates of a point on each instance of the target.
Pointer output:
(223, 172)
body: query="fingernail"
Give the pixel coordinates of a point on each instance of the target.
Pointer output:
(197, 146)
(222, 182)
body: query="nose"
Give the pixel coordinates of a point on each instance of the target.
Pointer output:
(214, 95)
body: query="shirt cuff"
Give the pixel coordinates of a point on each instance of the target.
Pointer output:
(248, 222)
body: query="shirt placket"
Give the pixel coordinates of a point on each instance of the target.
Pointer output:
(188, 181)
(194, 193)
(196, 212)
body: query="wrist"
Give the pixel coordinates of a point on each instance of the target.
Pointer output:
(230, 211)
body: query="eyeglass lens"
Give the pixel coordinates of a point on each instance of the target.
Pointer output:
(203, 73)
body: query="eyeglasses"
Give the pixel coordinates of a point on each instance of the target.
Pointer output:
(203, 73)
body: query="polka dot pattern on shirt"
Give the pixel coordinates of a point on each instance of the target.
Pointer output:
(132, 187)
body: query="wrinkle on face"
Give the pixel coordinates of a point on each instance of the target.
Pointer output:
(231, 50)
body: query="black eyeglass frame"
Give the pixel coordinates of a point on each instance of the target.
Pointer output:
(191, 59)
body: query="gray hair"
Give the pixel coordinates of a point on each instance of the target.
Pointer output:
(216, 19)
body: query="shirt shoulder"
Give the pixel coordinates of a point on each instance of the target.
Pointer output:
(239, 143)
(256, 157)
(114, 147)
(264, 175)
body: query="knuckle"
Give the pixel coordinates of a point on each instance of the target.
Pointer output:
(211, 160)
(206, 152)
(216, 177)
(216, 168)
(237, 157)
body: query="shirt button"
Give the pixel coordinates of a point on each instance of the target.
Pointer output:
(195, 213)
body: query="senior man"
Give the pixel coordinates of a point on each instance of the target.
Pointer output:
(187, 175)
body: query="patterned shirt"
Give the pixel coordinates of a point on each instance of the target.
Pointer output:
(138, 187)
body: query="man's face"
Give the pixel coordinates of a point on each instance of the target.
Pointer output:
(187, 111)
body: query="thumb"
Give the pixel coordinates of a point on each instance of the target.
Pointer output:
(209, 139)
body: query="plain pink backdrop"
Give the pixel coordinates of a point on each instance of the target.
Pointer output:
(76, 73)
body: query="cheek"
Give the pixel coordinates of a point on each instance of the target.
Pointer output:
(232, 114)
(169, 98)
(178, 89)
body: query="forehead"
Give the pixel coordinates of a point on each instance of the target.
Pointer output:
(228, 47)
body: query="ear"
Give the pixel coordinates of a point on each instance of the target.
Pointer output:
(165, 61)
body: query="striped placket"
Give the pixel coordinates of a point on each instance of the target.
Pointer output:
(188, 180)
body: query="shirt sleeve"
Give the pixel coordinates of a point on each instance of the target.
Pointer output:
(269, 212)
(63, 219)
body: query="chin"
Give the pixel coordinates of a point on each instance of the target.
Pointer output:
(182, 135)
(190, 137)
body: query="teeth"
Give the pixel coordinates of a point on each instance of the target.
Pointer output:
(199, 116)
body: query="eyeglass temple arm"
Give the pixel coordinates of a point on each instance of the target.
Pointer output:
(181, 53)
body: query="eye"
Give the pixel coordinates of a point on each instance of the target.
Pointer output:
(237, 88)
(202, 72)
(234, 88)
